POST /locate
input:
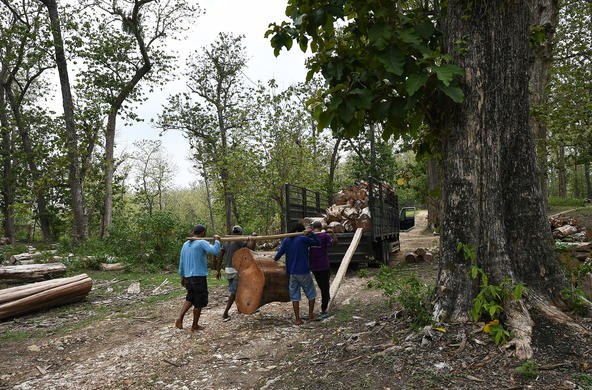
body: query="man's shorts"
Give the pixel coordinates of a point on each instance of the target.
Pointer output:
(305, 281)
(233, 284)
(197, 291)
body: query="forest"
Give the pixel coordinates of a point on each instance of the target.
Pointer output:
(62, 179)
(480, 115)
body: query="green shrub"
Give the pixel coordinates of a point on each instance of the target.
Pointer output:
(529, 369)
(411, 293)
(150, 241)
(575, 202)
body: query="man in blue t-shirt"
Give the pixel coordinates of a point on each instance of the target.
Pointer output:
(193, 269)
(297, 267)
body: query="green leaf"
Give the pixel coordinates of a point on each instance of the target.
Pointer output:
(380, 110)
(393, 60)
(474, 272)
(459, 246)
(446, 72)
(517, 293)
(380, 35)
(362, 98)
(415, 81)
(425, 29)
(454, 92)
(409, 36)
(324, 118)
(484, 279)
(398, 108)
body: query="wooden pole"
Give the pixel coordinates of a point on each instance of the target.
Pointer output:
(344, 264)
(247, 238)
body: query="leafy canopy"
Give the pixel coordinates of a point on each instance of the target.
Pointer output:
(381, 64)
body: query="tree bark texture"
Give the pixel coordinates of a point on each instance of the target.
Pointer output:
(545, 16)
(434, 216)
(8, 179)
(80, 220)
(492, 183)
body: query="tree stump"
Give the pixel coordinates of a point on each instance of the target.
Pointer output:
(261, 280)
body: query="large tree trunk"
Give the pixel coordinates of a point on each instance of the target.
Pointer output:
(224, 171)
(38, 193)
(562, 172)
(490, 197)
(80, 221)
(433, 197)
(544, 14)
(209, 196)
(135, 24)
(8, 179)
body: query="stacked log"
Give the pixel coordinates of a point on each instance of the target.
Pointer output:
(4, 241)
(23, 299)
(568, 228)
(351, 209)
(31, 272)
(420, 254)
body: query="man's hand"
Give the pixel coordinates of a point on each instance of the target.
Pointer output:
(216, 237)
(183, 282)
(218, 274)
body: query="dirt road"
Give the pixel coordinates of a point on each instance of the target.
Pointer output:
(415, 238)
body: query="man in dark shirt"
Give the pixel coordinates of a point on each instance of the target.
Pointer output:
(319, 264)
(297, 267)
(228, 250)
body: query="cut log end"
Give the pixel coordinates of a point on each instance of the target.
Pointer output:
(261, 280)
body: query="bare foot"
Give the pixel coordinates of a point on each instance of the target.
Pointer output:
(196, 328)
(179, 323)
(314, 317)
(299, 322)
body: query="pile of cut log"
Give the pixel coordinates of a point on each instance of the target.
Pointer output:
(568, 228)
(4, 240)
(30, 272)
(420, 254)
(351, 210)
(23, 299)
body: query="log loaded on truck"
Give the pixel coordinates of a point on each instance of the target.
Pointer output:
(371, 205)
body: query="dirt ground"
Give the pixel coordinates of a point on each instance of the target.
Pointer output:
(119, 340)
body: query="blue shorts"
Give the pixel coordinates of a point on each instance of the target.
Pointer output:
(305, 281)
(233, 284)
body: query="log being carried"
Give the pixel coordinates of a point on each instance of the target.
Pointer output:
(263, 280)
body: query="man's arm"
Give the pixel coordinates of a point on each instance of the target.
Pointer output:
(333, 236)
(281, 251)
(313, 239)
(181, 271)
(213, 249)
(219, 264)
(251, 243)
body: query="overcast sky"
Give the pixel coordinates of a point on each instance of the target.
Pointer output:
(250, 18)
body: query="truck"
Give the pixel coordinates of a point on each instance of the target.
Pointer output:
(386, 221)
